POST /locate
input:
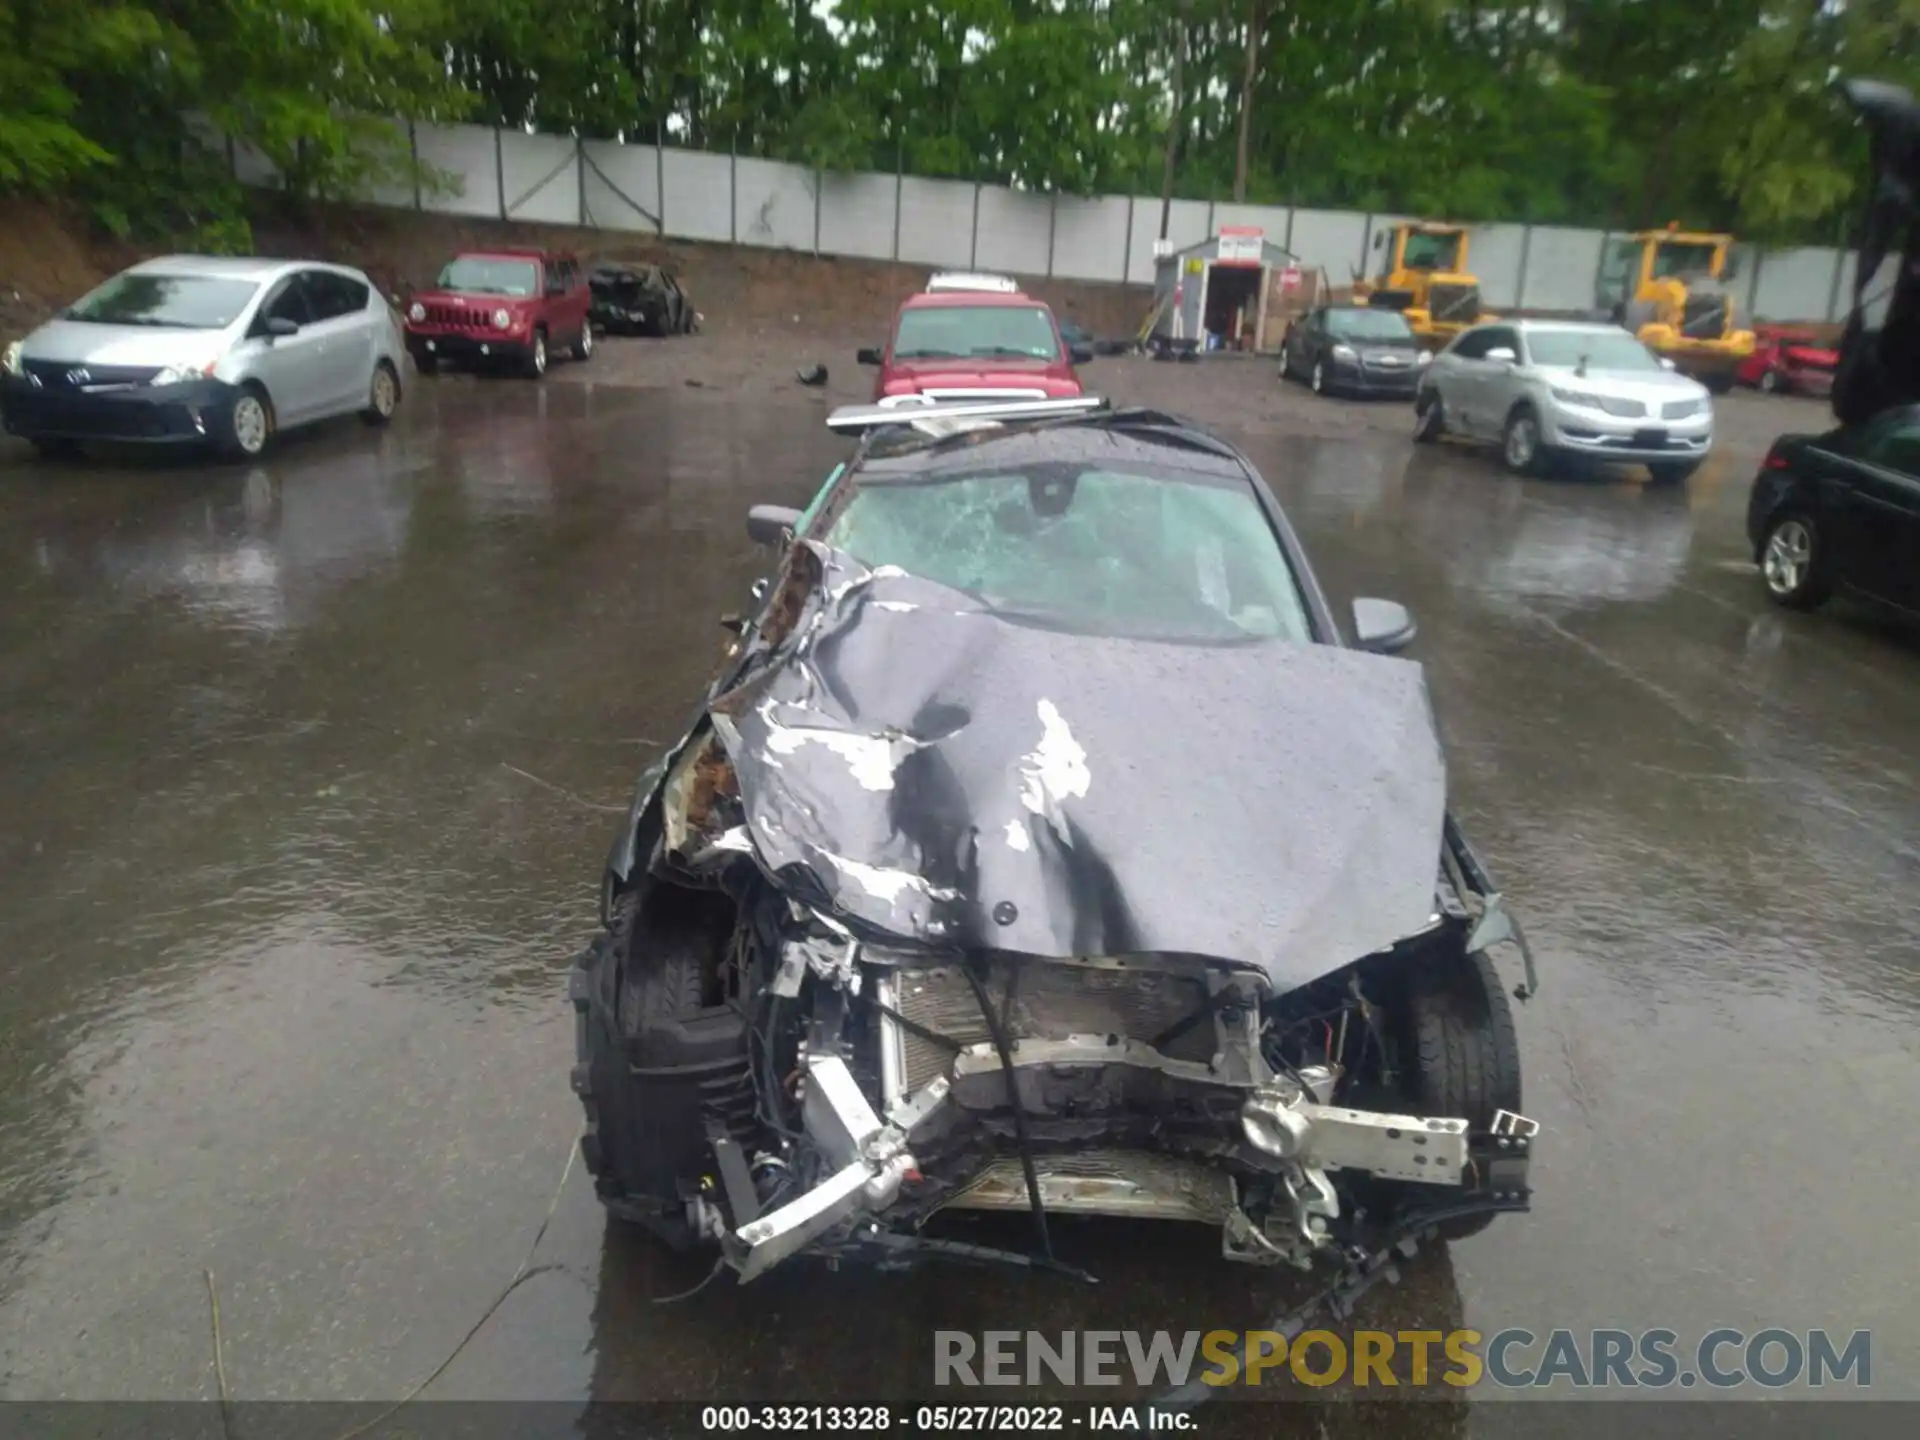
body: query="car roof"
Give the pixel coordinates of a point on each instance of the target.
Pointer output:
(225, 267)
(1558, 327)
(969, 299)
(513, 252)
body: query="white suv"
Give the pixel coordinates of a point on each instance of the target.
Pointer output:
(1547, 390)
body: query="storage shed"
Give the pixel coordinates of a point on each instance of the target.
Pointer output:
(1216, 294)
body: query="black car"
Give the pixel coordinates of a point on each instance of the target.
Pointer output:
(1841, 509)
(639, 300)
(1353, 350)
(1042, 843)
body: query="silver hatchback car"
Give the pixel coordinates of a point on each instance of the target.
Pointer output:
(194, 349)
(1549, 390)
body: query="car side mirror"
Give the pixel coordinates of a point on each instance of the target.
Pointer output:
(770, 524)
(1501, 355)
(1080, 354)
(1382, 626)
(867, 355)
(1667, 364)
(279, 328)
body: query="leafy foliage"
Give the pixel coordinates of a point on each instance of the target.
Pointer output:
(1622, 112)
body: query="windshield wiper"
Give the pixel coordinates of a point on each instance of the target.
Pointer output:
(1008, 350)
(928, 355)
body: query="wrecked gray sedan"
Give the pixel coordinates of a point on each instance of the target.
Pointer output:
(1043, 845)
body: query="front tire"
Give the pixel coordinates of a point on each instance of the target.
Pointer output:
(1318, 380)
(537, 356)
(250, 425)
(583, 347)
(653, 1063)
(1793, 563)
(1769, 382)
(1520, 444)
(1459, 1052)
(383, 395)
(1429, 419)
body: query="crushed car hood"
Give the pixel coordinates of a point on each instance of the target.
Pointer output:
(945, 774)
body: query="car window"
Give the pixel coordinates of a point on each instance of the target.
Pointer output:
(330, 295)
(957, 331)
(1503, 337)
(1898, 448)
(491, 275)
(1167, 555)
(178, 302)
(1430, 252)
(286, 301)
(1473, 345)
(1368, 324)
(1599, 349)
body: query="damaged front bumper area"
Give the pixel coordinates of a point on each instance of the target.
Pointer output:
(1163, 1106)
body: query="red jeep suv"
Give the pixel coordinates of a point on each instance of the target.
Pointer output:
(510, 305)
(976, 345)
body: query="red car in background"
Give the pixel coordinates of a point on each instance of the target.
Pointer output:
(984, 344)
(1791, 359)
(516, 306)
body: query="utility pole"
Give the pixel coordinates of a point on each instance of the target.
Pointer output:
(1178, 120)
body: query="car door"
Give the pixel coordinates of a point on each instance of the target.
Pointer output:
(1496, 386)
(1886, 493)
(1457, 372)
(342, 320)
(291, 367)
(1313, 331)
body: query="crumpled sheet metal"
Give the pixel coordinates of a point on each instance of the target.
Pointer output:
(947, 775)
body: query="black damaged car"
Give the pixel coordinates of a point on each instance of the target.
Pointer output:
(1044, 845)
(639, 300)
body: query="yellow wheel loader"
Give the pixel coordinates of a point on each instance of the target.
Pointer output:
(1670, 288)
(1424, 275)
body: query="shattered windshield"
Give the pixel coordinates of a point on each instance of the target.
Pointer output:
(1172, 555)
(1022, 332)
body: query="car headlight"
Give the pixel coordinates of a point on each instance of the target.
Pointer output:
(502, 318)
(1577, 397)
(1343, 352)
(181, 374)
(10, 361)
(416, 312)
(1425, 357)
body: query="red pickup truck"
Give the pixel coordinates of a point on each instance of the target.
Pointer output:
(975, 344)
(516, 306)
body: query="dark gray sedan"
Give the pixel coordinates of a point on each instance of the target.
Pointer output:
(1354, 350)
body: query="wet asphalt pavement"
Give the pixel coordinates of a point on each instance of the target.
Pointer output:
(309, 770)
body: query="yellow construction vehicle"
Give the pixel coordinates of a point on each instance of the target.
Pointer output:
(1424, 275)
(1670, 288)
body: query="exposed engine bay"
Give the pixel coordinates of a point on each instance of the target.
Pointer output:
(876, 950)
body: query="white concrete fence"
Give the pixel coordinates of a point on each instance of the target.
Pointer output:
(699, 195)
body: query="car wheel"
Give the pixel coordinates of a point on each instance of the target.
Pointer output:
(1429, 420)
(537, 355)
(383, 395)
(249, 424)
(1676, 474)
(651, 1061)
(1769, 382)
(1794, 563)
(1286, 362)
(1319, 378)
(583, 347)
(1520, 445)
(1459, 1053)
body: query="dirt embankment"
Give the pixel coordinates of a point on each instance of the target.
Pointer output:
(47, 258)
